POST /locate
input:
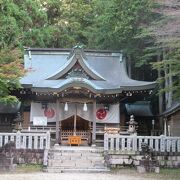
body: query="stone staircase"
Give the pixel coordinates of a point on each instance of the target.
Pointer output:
(75, 159)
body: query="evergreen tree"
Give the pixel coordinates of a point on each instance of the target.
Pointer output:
(20, 22)
(69, 21)
(164, 50)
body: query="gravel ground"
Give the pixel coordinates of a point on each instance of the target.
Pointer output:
(72, 176)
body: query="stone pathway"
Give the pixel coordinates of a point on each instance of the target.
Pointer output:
(72, 176)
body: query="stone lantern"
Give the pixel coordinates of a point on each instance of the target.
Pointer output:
(132, 125)
(18, 122)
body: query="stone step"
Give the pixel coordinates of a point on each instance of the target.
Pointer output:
(82, 170)
(70, 161)
(77, 166)
(83, 163)
(92, 158)
(72, 164)
(78, 150)
(76, 158)
(59, 158)
(75, 154)
(73, 159)
(62, 168)
(95, 158)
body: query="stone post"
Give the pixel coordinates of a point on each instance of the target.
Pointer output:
(48, 140)
(18, 140)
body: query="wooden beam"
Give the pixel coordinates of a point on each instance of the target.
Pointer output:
(75, 100)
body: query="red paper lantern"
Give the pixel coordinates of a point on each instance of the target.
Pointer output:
(49, 112)
(101, 113)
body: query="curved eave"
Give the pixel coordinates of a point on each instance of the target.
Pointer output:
(173, 109)
(145, 86)
(85, 83)
(70, 63)
(88, 84)
(27, 85)
(75, 82)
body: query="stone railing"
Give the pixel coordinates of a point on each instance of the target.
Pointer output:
(26, 140)
(39, 129)
(160, 144)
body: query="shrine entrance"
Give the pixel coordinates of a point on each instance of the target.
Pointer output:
(75, 126)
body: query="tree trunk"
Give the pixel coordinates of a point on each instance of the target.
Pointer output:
(160, 86)
(166, 86)
(170, 86)
(160, 96)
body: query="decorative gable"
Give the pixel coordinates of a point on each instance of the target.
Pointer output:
(77, 71)
(76, 66)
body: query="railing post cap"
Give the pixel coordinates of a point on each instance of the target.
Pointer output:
(162, 135)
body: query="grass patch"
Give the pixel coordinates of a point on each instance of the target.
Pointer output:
(171, 174)
(28, 168)
(165, 173)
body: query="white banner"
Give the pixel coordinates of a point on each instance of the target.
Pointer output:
(102, 116)
(37, 110)
(39, 121)
(111, 116)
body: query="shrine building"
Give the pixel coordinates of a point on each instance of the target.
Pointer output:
(76, 92)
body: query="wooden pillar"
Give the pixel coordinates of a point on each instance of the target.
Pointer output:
(94, 124)
(57, 121)
(165, 126)
(60, 131)
(89, 132)
(75, 120)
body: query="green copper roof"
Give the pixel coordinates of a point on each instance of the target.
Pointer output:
(102, 71)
